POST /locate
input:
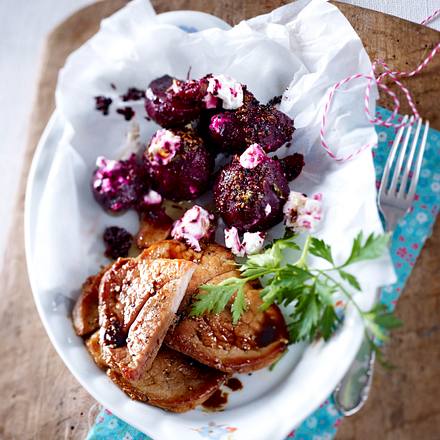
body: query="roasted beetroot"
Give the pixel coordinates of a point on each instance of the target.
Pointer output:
(173, 103)
(117, 185)
(102, 104)
(178, 163)
(250, 192)
(117, 242)
(234, 131)
(292, 165)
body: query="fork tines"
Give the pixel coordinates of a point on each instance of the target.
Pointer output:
(406, 169)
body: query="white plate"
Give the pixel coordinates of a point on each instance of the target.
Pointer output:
(271, 403)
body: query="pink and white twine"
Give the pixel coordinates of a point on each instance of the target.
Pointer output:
(395, 76)
(430, 18)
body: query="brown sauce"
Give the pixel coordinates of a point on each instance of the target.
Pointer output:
(267, 336)
(234, 384)
(217, 401)
(273, 328)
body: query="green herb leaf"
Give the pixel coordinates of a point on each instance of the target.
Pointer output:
(239, 305)
(269, 259)
(285, 286)
(254, 272)
(287, 244)
(305, 318)
(388, 321)
(379, 320)
(216, 297)
(381, 316)
(374, 247)
(328, 323)
(379, 354)
(320, 249)
(351, 279)
(325, 291)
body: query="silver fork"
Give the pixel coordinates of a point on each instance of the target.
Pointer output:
(396, 194)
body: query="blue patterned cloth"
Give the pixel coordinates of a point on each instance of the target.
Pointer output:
(407, 242)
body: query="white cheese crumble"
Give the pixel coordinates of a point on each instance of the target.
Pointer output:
(302, 213)
(152, 198)
(251, 244)
(193, 226)
(102, 182)
(252, 156)
(163, 147)
(227, 89)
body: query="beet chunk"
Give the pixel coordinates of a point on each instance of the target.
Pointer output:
(251, 199)
(178, 163)
(133, 94)
(127, 112)
(117, 185)
(174, 103)
(117, 242)
(234, 131)
(102, 104)
(292, 165)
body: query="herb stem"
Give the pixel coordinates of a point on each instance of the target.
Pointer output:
(302, 261)
(346, 293)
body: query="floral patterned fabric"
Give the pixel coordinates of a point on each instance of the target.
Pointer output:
(407, 242)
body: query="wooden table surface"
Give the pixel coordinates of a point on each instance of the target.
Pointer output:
(42, 400)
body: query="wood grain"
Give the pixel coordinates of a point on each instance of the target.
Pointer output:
(404, 403)
(42, 400)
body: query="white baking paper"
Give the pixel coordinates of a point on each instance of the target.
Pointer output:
(300, 51)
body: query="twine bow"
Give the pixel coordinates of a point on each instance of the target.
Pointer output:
(378, 79)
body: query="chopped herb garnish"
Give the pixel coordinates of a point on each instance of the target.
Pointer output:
(310, 292)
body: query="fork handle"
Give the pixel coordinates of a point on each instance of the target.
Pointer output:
(352, 392)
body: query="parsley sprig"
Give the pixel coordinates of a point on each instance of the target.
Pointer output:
(308, 292)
